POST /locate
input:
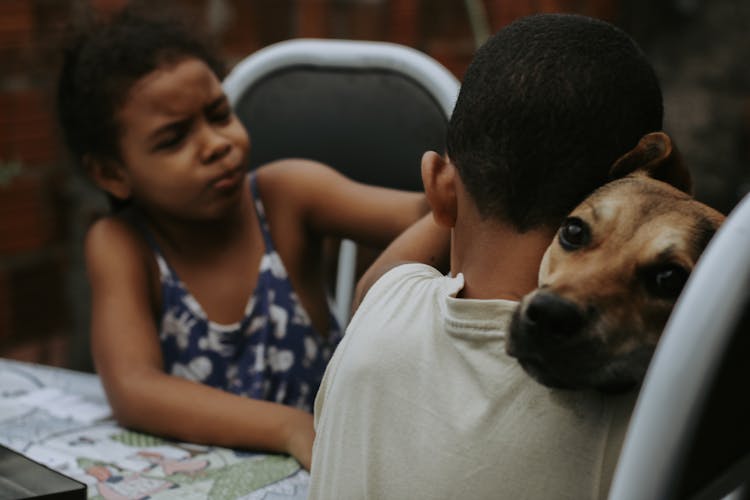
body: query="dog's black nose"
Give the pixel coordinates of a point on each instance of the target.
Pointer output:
(550, 313)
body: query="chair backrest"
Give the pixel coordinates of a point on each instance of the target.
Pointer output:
(368, 109)
(689, 435)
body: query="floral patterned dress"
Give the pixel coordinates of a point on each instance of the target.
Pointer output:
(273, 354)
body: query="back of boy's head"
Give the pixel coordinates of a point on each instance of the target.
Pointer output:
(546, 106)
(102, 62)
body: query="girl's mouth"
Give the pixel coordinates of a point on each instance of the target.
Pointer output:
(230, 180)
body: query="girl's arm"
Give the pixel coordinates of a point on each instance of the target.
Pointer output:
(127, 355)
(331, 204)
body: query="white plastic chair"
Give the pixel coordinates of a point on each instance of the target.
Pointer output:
(689, 435)
(368, 109)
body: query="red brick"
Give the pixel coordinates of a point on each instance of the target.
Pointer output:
(366, 21)
(312, 18)
(403, 20)
(241, 35)
(107, 7)
(27, 216)
(454, 54)
(16, 23)
(27, 130)
(503, 12)
(52, 351)
(29, 351)
(603, 9)
(35, 287)
(5, 309)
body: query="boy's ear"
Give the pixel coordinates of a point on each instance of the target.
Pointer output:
(108, 175)
(439, 179)
(655, 156)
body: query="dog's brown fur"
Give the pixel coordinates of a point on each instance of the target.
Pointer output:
(608, 282)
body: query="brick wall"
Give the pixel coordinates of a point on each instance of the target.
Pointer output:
(34, 319)
(45, 204)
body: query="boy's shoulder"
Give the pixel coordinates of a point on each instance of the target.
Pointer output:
(407, 270)
(409, 282)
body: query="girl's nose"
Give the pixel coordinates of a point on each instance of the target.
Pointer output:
(217, 152)
(215, 146)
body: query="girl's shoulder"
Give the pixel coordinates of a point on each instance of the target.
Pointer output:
(291, 166)
(306, 184)
(293, 175)
(114, 230)
(114, 240)
(292, 188)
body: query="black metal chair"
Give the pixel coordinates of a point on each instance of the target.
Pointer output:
(368, 109)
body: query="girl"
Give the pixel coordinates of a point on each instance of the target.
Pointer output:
(210, 321)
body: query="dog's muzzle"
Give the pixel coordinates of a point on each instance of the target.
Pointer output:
(549, 314)
(548, 337)
(552, 339)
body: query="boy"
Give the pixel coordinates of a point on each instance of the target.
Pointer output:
(420, 400)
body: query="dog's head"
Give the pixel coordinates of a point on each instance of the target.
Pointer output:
(609, 280)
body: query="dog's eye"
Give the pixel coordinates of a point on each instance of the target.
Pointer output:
(667, 281)
(574, 233)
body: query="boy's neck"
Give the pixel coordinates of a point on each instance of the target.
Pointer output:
(496, 260)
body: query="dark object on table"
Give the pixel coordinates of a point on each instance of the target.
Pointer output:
(21, 477)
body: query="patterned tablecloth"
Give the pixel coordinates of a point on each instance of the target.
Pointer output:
(61, 419)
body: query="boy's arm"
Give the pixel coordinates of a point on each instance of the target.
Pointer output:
(425, 241)
(128, 358)
(333, 205)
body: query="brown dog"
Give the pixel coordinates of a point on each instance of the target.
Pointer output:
(608, 282)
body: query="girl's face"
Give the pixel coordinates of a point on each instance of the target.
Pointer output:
(183, 150)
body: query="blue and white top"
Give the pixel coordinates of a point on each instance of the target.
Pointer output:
(273, 353)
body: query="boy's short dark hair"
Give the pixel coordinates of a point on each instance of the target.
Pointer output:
(102, 61)
(545, 108)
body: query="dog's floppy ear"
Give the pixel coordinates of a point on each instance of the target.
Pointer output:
(655, 156)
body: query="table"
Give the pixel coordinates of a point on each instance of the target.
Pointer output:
(61, 418)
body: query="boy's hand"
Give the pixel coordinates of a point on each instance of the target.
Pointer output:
(425, 241)
(300, 434)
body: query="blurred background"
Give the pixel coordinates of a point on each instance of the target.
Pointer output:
(700, 50)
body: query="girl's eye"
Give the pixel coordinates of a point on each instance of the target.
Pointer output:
(221, 115)
(667, 280)
(170, 142)
(173, 136)
(574, 234)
